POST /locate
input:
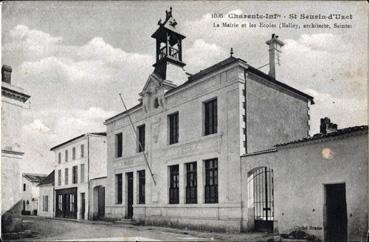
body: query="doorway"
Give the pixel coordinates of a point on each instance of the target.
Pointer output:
(335, 213)
(83, 205)
(129, 194)
(101, 202)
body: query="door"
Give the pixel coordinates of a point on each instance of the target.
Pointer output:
(101, 202)
(83, 205)
(335, 213)
(66, 203)
(129, 194)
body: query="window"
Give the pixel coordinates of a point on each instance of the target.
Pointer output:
(211, 181)
(82, 173)
(174, 184)
(66, 176)
(60, 202)
(156, 103)
(119, 145)
(191, 182)
(141, 138)
(24, 186)
(74, 153)
(119, 186)
(82, 151)
(210, 117)
(141, 187)
(173, 128)
(71, 202)
(75, 175)
(66, 155)
(45, 203)
(59, 177)
(59, 157)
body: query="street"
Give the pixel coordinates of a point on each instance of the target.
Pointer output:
(45, 229)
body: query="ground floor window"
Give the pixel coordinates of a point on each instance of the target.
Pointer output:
(141, 187)
(174, 184)
(71, 202)
(45, 203)
(191, 182)
(211, 181)
(60, 202)
(119, 186)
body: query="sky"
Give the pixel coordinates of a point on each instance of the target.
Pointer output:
(73, 58)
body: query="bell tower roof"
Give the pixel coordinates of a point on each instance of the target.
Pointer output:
(169, 49)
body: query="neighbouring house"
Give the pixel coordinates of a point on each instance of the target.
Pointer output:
(46, 197)
(31, 192)
(228, 148)
(13, 101)
(80, 174)
(317, 184)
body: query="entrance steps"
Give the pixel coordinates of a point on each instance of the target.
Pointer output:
(126, 221)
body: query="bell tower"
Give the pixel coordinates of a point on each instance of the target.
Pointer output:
(169, 49)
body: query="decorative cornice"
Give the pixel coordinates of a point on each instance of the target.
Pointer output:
(7, 92)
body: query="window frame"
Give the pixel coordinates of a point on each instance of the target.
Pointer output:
(59, 157)
(174, 184)
(66, 155)
(118, 148)
(141, 186)
(141, 138)
(59, 177)
(82, 173)
(211, 181)
(173, 128)
(73, 153)
(82, 149)
(119, 188)
(75, 175)
(191, 182)
(210, 116)
(66, 176)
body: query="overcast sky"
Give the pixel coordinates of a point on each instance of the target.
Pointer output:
(73, 58)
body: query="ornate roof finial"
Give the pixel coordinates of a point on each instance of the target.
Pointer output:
(231, 52)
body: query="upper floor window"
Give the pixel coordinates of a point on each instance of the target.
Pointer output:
(174, 184)
(191, 182)
(210, 117)
(82, 150)
(173, 128)
(24, 186)
(119, 145)
(66, 155)
(74, 153)
(66, 176)
(141, 138)
(59, 177)
(59, 157)
(211, 181)
(82, 173)
(75, 175)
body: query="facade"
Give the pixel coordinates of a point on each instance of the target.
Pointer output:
(317, 184)
(31, 192)
(13, 101)
(78, 161)
(178, 162)
(46, 196)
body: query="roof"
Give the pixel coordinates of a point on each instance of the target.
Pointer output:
(119, 114)
(229, 61)
(232, 60)
(48, 180)
(75, 138)
(319, 136)
(33, 177)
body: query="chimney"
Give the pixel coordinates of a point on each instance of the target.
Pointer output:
(326, 126)
(6, 73)
(274, 54)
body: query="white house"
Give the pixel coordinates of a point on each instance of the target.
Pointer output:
(80, 170)
(46, 196)
(31, 192)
